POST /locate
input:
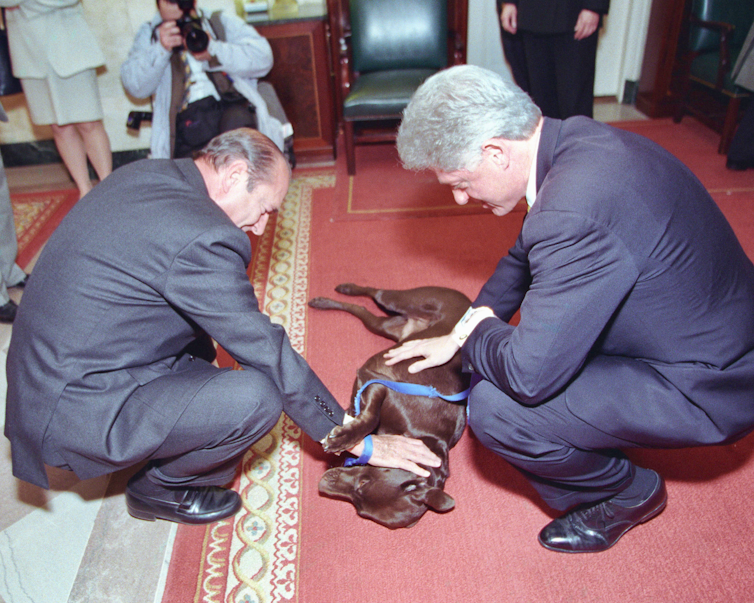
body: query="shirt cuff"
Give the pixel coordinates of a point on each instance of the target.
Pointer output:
(468, 323)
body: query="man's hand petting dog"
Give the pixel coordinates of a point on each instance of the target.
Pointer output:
(400, 452)
(436, 352)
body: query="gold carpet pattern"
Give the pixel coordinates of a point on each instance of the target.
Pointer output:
(253, 557)
(33, 214)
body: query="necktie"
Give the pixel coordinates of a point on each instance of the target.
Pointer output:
(186, 79)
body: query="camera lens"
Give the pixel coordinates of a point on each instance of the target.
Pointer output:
(197, 40)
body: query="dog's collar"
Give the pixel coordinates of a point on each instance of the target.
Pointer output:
(412, 389)
(366, 454)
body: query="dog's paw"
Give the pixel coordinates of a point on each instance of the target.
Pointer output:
(349, 289)
(340, 439)
(324, 303)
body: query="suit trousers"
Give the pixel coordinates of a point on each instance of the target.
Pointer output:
(568, 447)
(227, 412)
(230, 412)
(561, 73)
(513, 51)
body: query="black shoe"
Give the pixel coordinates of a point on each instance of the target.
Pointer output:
(191, 505)
(598, 527)
(21, 284)
(8, 311)
(738, 166)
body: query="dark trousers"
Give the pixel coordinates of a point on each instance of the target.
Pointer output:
(231, 411)
(561, 73)
(569, 446)
(513, 50)
(742, 146)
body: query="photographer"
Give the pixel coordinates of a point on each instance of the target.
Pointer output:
(203, 85)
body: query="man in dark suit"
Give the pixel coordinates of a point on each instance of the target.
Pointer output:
(110, 360)
(636, 302)
(513, 51)
(560, 49)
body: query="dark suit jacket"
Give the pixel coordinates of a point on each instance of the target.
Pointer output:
(553, 16)
(135, 270)
(624, 255)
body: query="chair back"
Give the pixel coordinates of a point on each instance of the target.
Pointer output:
(739, 13)
(398, 34)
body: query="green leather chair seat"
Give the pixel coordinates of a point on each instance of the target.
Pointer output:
(383, 93)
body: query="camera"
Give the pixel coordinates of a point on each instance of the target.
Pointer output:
(136, 117)
(194, 36)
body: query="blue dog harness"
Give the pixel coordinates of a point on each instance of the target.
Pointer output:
(412, 389)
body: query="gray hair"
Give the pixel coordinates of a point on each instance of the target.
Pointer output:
(455, 112)
(261, 155)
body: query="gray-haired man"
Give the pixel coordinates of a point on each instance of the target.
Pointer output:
(636, 302)
(110, 361)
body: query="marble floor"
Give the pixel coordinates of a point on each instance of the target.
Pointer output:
(76, 543)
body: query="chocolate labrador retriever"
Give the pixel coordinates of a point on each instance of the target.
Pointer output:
(394, 497)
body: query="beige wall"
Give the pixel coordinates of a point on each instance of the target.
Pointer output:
(114, 22)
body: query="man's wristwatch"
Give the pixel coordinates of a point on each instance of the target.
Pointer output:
(469, 322)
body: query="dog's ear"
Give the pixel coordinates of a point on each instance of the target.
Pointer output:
(437, 500)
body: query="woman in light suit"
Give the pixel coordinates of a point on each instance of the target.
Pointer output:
(55, 55)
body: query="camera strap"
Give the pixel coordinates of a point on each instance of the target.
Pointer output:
(220, 79)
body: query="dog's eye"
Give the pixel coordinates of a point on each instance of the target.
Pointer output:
(362, 485)
(409, 486)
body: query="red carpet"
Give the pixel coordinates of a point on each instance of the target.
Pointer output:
(382, 190)
(698, 550)
(486, 548)
(36, 216)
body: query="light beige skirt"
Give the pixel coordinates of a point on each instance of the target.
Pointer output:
(63, 100)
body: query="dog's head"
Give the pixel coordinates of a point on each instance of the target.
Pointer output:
(392, 497)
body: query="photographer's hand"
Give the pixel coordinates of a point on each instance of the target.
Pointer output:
(170, 35)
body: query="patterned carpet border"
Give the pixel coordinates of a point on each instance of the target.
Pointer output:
(36, 215)
(253, 557)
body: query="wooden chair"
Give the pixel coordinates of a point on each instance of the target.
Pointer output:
(384, 50)
(715, 31)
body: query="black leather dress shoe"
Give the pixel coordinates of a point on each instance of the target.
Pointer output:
(598, 527)
(8, 312)
(22, 283)
(739, 166)
(192, 505)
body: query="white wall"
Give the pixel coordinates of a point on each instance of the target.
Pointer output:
(483, 46)
(621, 46)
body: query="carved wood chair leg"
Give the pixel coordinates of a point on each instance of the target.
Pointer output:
(350, 151)
(729, 127)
